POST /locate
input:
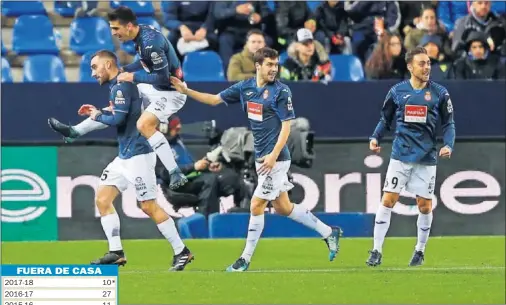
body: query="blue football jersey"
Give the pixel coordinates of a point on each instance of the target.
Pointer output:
(417, 113)
(126, 111)
(266, 108)
(158, 59)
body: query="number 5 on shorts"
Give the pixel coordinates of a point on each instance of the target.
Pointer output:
(104, 175)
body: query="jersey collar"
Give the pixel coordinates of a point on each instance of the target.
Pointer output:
(137, 38)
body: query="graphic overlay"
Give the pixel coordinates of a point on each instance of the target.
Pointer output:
(59, 284)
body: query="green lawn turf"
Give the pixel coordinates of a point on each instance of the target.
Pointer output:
(293, 271)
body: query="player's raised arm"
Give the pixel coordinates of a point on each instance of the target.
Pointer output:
(122, 100)
(447, 122)
(387, 116)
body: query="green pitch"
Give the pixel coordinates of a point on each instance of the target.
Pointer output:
(294, 271)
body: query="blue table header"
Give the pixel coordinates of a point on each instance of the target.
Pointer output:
(59, 270)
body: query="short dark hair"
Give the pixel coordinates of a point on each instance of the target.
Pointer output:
(412, 53)
(107, 54)
(123, 15)
(264, 53)
(254, 32)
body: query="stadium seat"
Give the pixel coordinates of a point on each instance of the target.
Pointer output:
(44, 69)
(4, 50)
(85, 69)
(129, 46)
(203, 66)
(6, 71)
(18, 8)
(140, 8)
(347, 68)
(90, 34)
(313, 5)
(33, 34)
(272, 5)
(63, 8)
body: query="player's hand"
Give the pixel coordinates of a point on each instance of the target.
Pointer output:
(373, 145)
(126, 77)
(201, 165)
(94, 113)
(200, 34)
(268, 163)
(445, 152)
(177, 84)
(85, 109)
(215, 166)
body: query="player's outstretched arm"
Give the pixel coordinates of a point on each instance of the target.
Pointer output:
(119, 109)
(205, 98)
(135, 66)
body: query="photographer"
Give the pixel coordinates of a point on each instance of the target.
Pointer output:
(207, 180)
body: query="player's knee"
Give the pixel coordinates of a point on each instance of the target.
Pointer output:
(145, 126)
(424, 205)
(389, 199)
(257, 206)
(104, 204)
(148, 207)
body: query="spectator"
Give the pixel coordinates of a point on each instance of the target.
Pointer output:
(191, 25)
(387, 59)
(333, 28)
(479, 63)
(234, 20)
(410, 12)
(241, 65)
(291, 16)
(307, 60)
(440, 68)
(370, 20)
(448, 12)
(427, 25)
(480, 19)
(207, 180)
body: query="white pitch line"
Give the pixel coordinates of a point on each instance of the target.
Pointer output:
(336, 270)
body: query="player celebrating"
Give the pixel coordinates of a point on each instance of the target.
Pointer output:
(159, 60)
(134, 165)
(268, 104)
(416, 104)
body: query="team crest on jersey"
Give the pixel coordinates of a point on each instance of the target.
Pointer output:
(289, 105)
(156, 59)
(428, 96)
(266, 94)
(119, 99)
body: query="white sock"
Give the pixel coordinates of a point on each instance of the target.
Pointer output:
(162, 149)
(88, 125)
(169, 231)
(302, 215)
(255, 228)
(111, 226)
(423, 223)
(381, 225)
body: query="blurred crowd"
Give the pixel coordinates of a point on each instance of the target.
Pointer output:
(465, 39)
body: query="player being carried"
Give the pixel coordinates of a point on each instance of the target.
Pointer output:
(135, 165)
(268, 104)
(416, 105)
(151, 72)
